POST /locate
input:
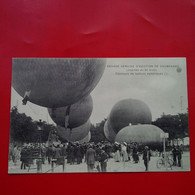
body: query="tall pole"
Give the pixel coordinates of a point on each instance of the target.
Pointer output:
(39, 160)
(164, 149)
(164, 136)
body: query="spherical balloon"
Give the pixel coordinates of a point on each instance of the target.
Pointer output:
(78, 115)
(85, 139)
(129, 111)
(56, 82)
(142, 134)
(75, 134)
(108, 132)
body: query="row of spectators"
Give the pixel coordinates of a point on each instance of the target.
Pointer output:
(75, 153)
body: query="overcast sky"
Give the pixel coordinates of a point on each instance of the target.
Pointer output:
(165, 93)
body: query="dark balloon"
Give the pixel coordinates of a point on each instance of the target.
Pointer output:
(75, 134)
(56, 82)
(129, 111)
(108, 131)
(79, 113)
(142, 134)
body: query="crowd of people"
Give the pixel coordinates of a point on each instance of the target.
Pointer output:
(71, 153)
(94, 155)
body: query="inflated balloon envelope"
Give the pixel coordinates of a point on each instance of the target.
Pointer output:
(128, 111)
(79, 113)
(144, 134)
(108, 131)
(75, 134)
(85, 139)
(56, 82)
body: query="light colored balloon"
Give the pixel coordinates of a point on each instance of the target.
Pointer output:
(142, 134)
(56, 82)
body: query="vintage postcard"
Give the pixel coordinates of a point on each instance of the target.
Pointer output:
(98, 115)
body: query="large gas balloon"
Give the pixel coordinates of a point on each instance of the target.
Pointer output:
(85, 139)
(129, 111)
(108, 132)
(75, 134)
(142, 134)
(56, 82)
(78, 115)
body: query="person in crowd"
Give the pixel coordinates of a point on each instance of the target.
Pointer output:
(135, 153)
(78, 153)
(84, 150)
(179, 155)
(124, 152)
(16, 154)
(103, 160)
(43, 153)
(63, 150)
(90, 159)
(13, 153)
(24, 157)
(29, 159)
(116, 150)
(129, 151)
(97, 149)
(49, 153)
(146, 156)
(97, 156)
(109, 150)
(174, 152)
(57, 154)
(70, 153)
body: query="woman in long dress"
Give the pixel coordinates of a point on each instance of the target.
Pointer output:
(117, 156)
(16, 153)
(124, 152)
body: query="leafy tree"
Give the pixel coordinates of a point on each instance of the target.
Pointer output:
(21, 126)
(24, 129)
(97, 132)
(175, 125)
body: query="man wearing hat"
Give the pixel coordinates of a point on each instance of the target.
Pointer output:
(103, 160)
(116, 148)
(146, 156)
(90, 158)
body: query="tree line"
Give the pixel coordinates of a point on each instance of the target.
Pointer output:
(24, 129)
(175, 125)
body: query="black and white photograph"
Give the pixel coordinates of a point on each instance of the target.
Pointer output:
(97, 115)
